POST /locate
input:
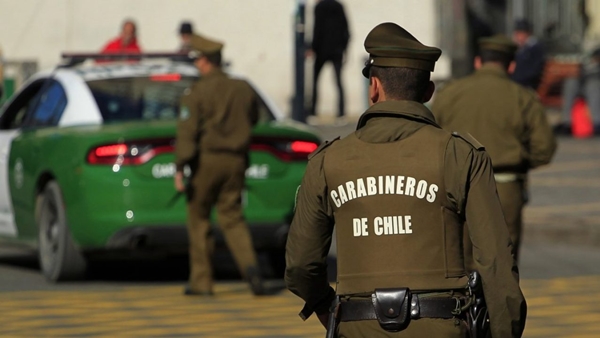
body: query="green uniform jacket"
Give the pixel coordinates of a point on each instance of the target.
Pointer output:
(468, 172)
(505, 117)
(217, 115)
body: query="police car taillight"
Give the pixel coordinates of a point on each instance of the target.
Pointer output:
(111, 150)
(165, 77)
(303, 147)
(286, 150)
(130, 153)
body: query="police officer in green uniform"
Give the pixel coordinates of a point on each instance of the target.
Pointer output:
(399, 190)
(506, 118)
(213, 135)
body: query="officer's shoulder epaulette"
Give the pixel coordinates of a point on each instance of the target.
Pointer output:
(321, 147)
(470, 140)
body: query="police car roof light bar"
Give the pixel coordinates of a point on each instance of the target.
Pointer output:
(73, 59)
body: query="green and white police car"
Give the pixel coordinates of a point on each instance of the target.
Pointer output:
(86, 165)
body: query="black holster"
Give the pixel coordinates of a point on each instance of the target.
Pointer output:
(333, 320)
(478, 318)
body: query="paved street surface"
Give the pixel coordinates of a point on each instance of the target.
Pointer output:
(560, 271)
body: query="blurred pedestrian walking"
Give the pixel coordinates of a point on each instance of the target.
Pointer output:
(213, 135)
(329, 43)
(126, 42)
(506, 118)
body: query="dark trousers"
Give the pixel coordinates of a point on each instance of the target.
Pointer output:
(320, 61)
(219, 182)
(512, 199)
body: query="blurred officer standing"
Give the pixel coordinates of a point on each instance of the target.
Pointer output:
(213, 134)
(398, 191)
(185, 34)
(506, 118)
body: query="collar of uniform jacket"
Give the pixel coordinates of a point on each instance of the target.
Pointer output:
(399, 109)
(492, 69)
(216, 72)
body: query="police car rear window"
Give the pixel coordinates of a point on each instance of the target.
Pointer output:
(139, 98)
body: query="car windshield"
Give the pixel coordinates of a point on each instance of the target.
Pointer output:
(155, 97)
(139, 98)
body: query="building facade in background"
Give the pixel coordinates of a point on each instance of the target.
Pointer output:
(259, 34)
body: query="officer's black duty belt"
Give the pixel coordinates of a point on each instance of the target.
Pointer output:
(420, 307)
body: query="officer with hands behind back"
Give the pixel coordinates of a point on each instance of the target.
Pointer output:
(505, 117)
(213, 135)
(399, 191)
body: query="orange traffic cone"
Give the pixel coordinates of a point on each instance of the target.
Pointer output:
(581, 121)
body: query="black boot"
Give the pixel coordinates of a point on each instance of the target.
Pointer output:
(562, 129)
(254, 278)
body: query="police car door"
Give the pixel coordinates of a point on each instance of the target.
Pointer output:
(12, 117)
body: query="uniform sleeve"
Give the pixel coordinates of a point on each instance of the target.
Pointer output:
(542, 143)
(475, 194)
(309, 241)
(188, 129)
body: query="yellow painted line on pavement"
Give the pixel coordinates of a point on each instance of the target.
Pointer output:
(564, 307)
(570, 166)
(565, 182)
(562, 209)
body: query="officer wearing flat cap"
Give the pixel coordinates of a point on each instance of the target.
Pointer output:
(400, 191)
(213, 135)
(185, 34)
(506, 118)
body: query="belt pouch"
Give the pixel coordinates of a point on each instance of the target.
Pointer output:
(392, 308)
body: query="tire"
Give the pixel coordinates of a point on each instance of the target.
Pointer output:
(59, 258)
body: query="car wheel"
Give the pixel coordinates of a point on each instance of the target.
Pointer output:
(59, 259)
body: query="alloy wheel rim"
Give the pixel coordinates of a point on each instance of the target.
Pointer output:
(50, 233)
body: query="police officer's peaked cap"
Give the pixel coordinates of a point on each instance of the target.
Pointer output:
(390, 45)
(205, 46)
(499, 43)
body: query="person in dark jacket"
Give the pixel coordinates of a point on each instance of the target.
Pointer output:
(530, 58)
(330, 39)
